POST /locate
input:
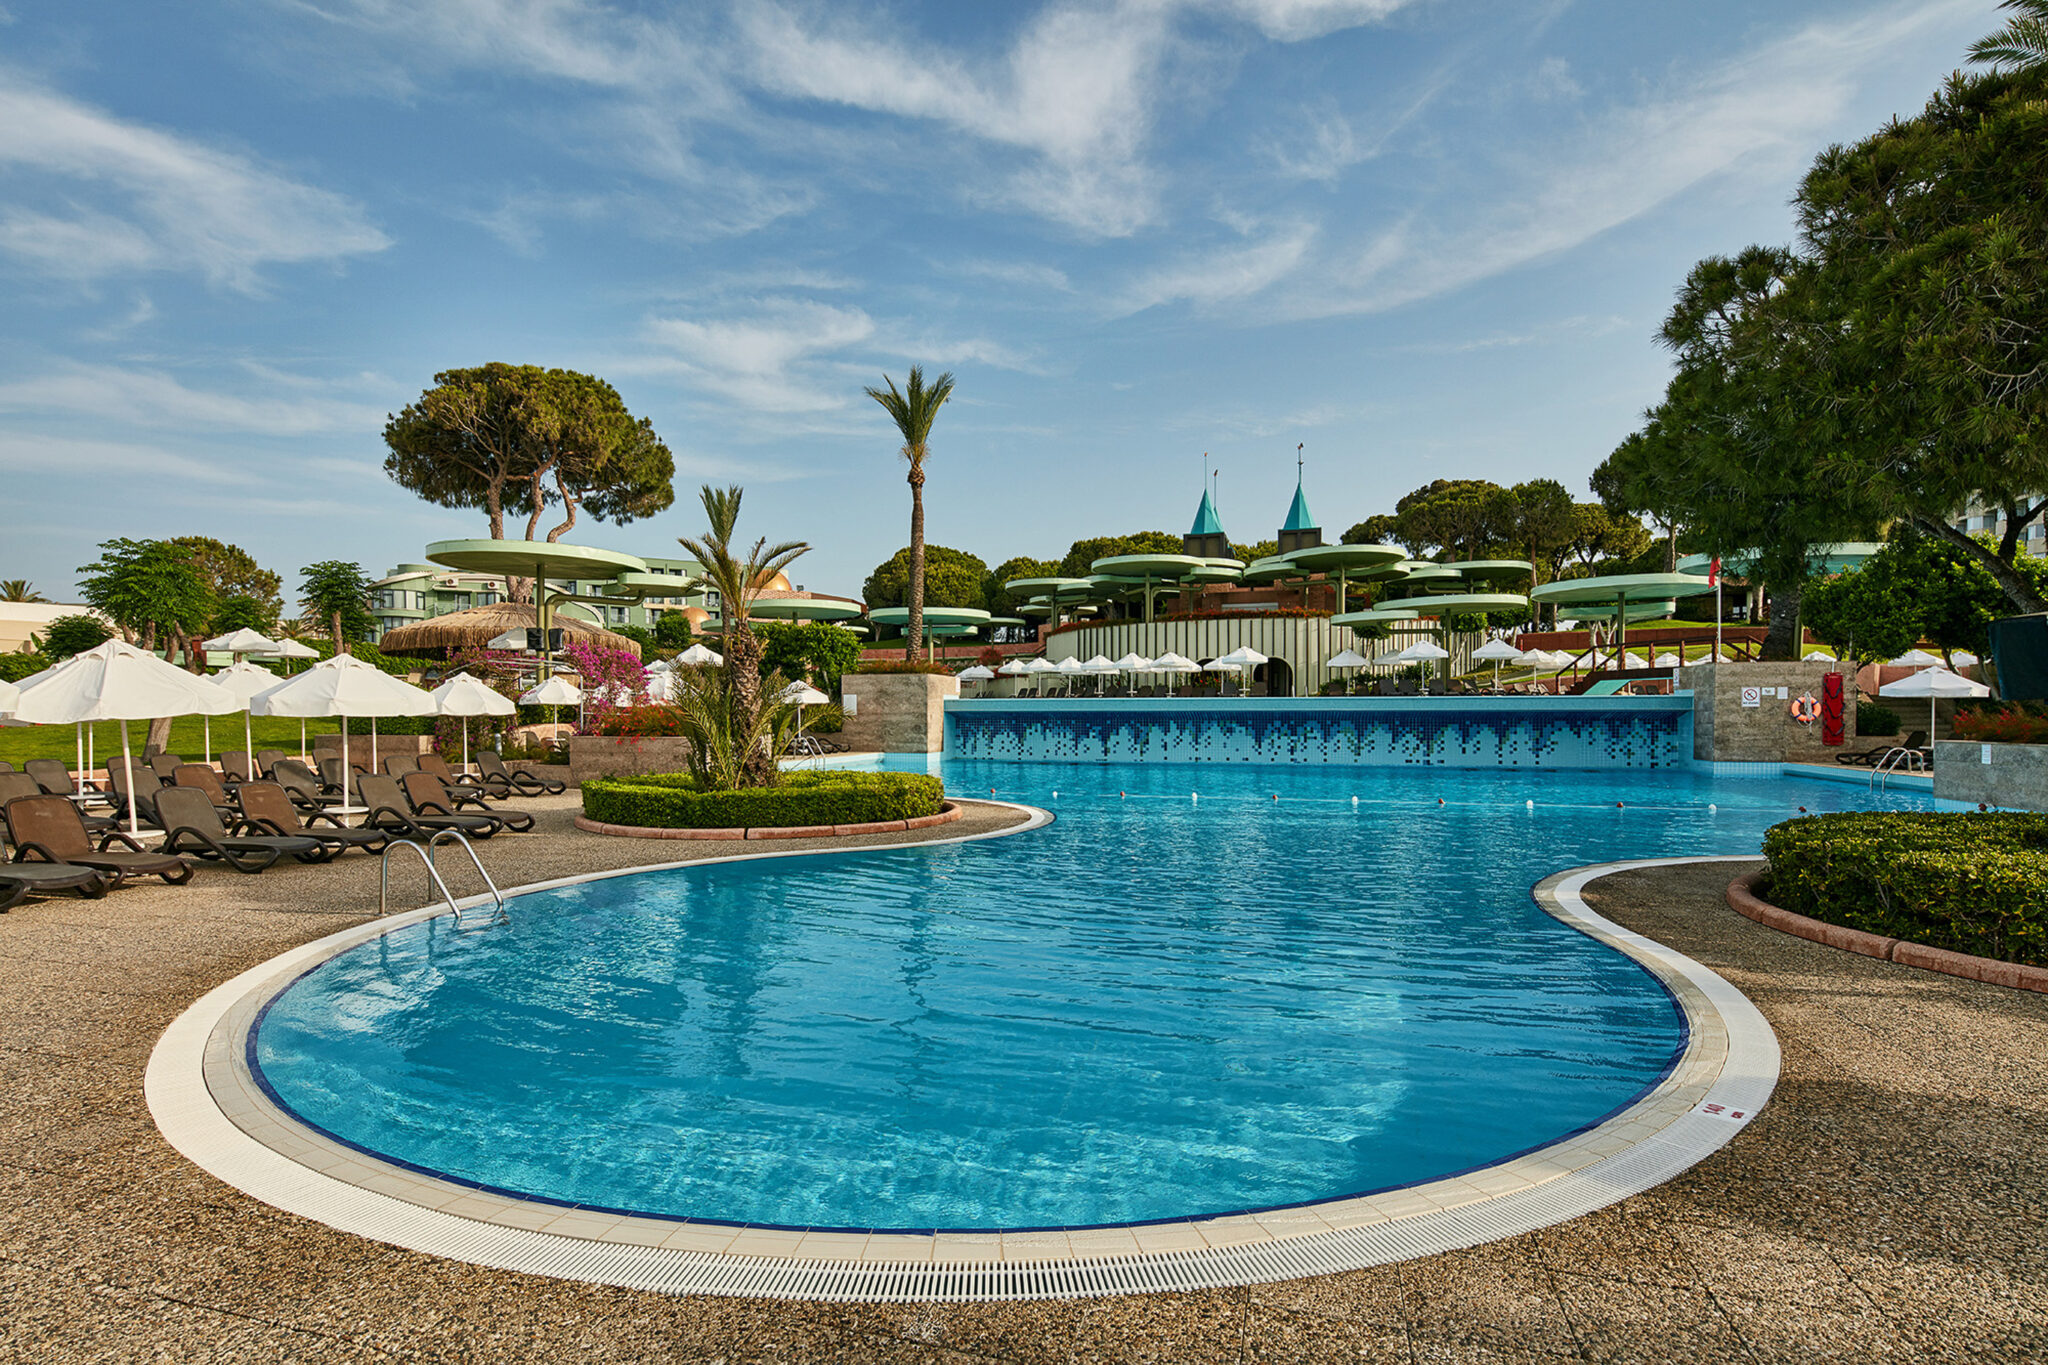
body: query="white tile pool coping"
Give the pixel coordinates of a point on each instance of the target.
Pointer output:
(209, 1108)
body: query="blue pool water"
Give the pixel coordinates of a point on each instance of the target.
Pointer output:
(1155, 1007)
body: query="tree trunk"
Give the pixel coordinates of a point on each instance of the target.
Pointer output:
(1781, 641)
(2014, 583)
(743, 680)
(159, 734)
(334, 630)
(914, 628)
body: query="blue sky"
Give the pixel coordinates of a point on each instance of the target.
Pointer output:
(1424, 238)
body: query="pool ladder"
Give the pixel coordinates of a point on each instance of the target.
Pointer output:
(1899, 760)
(497, 915)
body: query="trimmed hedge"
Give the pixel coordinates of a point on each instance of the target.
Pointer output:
(1973, 883)
(672, 801)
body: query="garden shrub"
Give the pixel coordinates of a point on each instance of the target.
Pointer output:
(824, 720)
(902, 666)
(674, 801)
(1874, 719)
(2003, 723)
(1970, 882)
(15, 667)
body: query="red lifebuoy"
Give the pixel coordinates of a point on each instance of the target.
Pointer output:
(1805, 709)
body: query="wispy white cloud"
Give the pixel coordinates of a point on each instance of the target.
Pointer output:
(1224, 275)
(759, 360)
(1294, 20)
(33, 452)
(1023, 274)
(153, 399)
(95, 196)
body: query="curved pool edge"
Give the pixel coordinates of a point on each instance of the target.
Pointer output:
(212, 1111)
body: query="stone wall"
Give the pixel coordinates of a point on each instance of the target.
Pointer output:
(2014, 776)
(613, 756)
(359, 754)
(896, 713)
(1726, 731)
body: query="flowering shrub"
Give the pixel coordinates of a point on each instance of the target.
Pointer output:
(612, 678)
(645, 721)
(2009, 724)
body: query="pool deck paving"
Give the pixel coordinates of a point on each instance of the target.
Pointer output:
(1887, 1204)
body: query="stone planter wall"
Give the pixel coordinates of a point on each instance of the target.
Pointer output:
(611, 756)
(1726, 731)
(896, 713)
(359, 750)
(2011, 775)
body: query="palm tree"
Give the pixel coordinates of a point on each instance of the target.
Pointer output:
(738, 581)
(913, 411)
(2022, 44)
(19, 590)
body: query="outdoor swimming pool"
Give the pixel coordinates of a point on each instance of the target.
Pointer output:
(1181, 998)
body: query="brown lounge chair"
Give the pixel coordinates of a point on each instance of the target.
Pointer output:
(465, 791)
(398, 765)
(428, 795)
(49, 827)
(303, 785)
(234, 763)
(19, 881)
(267, 759)
(21, 784)
(503, 780)
(268, 807)
(192, 825)
(199, 777)
(1870, 758)
(164, 765)
(389, 810)
(53, 775)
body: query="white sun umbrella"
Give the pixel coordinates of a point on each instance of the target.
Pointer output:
(1349, 660)
(1667, 660)
(1243, 660)
(696, 656)
(978, 673)
(801, 694)
(1496, 652)
(1963, 658)
(1102, 669)
(1819, 656)
(465, 696)
(1173, 664)
(292, 649)
(345, 686)
(10, 695)
(1422, 652)
(239, 643)
(116, 681)
(1134, 662)
(245, 680)
(1915, 658)
(1634, 660)
(1933, 684)
(556, 691)
(1072, 668)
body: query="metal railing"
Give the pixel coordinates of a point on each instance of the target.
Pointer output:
(1896, 760)
(497, 915)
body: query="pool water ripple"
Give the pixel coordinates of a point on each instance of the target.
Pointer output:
(1156, 1007)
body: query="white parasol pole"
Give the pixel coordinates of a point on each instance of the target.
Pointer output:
(206, 744)
(344, 758)
(249, 744)
(78, 736)
(128, 767)
(302, 739)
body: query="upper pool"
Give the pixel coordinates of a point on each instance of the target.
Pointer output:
(1181, 998)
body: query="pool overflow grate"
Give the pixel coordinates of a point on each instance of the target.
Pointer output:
(191, 1118)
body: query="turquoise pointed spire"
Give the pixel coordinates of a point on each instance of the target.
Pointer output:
(1298, 518)
(1207, 523)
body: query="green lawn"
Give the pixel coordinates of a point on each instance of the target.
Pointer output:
(22, 743)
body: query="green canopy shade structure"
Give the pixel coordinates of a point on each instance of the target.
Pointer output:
(1049, 593)
(1006, 621)
(1375, 616)
(806, 609)
(542, 560)
(1617, 592)
(1160, 569)
(1823, 559)
(1491, 570)
(1271, 569)
(1446, 604)
(1345, 561)
(1637, 611)
(972, 617)
(1212, 574)
(1433, 577)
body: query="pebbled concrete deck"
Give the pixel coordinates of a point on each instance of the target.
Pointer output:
(1887, 1204)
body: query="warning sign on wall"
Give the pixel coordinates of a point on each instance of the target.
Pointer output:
(1752, 696)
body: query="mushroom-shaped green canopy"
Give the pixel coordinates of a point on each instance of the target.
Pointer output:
(1627, 587)
(1427, 577)
(1216, 571)
(804, 609)
(1375, 616)
(1154, 567)
(933, 616)
(1049, 587)
(1351, 559)
(530, 558)
(1651, 610)
(1492, 570)
(1271, 569)
(1445, 604)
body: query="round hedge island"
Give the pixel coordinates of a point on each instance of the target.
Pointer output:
(802, 805)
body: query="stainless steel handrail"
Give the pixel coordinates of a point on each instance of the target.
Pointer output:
(426, 853)
(1899, 759)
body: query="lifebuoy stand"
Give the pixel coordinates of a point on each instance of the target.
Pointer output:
(1831, 708)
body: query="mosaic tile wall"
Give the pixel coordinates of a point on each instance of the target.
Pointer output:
(1645, 732)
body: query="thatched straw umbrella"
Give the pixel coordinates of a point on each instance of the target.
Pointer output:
(478, 626)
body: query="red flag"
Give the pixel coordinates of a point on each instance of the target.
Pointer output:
(1714, 573)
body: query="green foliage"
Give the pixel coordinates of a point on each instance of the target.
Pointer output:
(1381, 529)
(69, 635)
(231, 572)
(19, 590)
(2022, 43)
(735, 741)
(242, 612)
(2003, 723)
(335, 594)
(677, 801)
(901, 666)
(1874, 719)
(952, 578)
(672, 631)
(815, 651)
(150, 587)
(397, 665)
(1971, 883)
(997, 599)
(1083, 553)
(1258, 549)
(1916, 588)
(824, 720)
(639, 635)
(521, 438)
(913, 410)
(15, 667)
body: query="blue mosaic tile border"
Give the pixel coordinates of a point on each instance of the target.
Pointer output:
(1460, 732)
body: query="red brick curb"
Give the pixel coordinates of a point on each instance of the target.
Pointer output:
(947, 814)
(1742, 899)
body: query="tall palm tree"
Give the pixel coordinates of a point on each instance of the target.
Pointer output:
(2022, 44)
(739, 579)
(914, 410)
(19, 590)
